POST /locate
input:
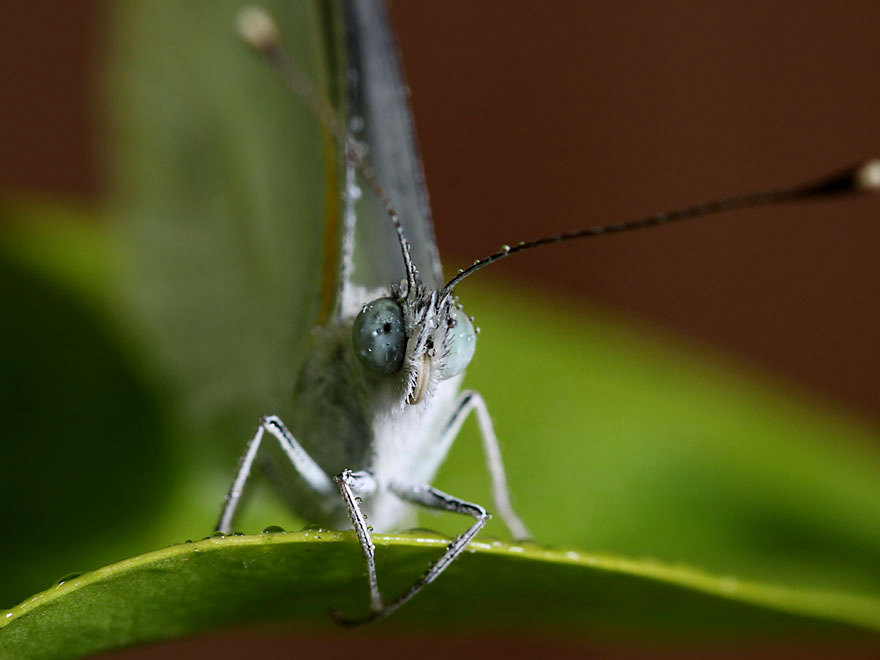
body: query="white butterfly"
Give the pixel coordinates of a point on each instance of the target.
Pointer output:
(377, 404)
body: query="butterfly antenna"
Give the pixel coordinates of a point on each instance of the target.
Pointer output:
(258, 30)
(864, 177)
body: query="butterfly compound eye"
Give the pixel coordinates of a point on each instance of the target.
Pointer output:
(461, 341)
(378, 336)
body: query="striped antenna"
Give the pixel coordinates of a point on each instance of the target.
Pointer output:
(864, 177)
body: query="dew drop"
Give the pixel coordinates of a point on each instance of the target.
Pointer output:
(218, 535)
(273, 529)
(67, 578)
(354, 192)
(505, 248)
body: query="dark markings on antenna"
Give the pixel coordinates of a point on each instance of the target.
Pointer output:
(853, 180)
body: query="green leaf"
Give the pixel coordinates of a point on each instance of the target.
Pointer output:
(299, 576)
(627, 445)
(84, 447)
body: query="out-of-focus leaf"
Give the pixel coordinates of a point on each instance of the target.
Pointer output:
(84, 453)
(619, 444)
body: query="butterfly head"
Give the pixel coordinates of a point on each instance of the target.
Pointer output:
(418, 336)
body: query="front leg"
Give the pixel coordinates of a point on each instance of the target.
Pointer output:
(431, 498)
(352, 485)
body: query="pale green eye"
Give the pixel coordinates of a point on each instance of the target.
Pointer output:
(461, 341)
(378, 336)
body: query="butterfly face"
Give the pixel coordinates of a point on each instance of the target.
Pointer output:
(425, 338)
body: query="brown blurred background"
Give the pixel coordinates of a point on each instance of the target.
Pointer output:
(536, 117)
(540, 116)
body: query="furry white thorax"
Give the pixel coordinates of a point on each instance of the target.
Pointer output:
(406, 444)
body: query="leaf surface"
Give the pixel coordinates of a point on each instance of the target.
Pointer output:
(298, 576)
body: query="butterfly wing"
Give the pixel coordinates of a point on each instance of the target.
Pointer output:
(378, 115)
(221, 187)
(227, 190)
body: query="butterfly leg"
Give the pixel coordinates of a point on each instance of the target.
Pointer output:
(468, 401)
(352, 485)
(431, 498)
(305, 466)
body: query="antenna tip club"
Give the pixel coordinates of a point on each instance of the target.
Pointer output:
(868, 176)
(257, 28)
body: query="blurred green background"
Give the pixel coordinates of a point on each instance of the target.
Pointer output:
(705, 395)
